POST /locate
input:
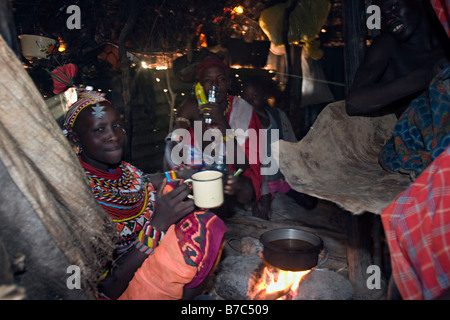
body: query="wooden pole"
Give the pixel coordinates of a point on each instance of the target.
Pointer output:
(287, 49)
(126, 76)
(359, 226)
(358, 253)
(355, 38)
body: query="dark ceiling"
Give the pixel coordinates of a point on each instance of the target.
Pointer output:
(161, 25)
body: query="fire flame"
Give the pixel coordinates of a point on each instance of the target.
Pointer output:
(276, 284)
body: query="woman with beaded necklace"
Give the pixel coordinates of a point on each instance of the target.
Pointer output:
(159, 253)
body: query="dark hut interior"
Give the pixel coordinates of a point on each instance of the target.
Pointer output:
(164, 37)
(143, 55)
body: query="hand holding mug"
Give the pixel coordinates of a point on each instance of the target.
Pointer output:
(207, 189)
(172, 206)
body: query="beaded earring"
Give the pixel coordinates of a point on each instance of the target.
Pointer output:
(79, 150)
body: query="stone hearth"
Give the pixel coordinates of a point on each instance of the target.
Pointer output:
(237, 273)
(241, 257)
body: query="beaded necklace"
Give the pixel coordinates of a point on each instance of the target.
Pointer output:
(122, 192)
(225, 112)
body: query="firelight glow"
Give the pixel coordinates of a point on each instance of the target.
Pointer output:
(277, 284)
(286, 279)
(238, 10)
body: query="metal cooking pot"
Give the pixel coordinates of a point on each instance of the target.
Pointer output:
(291, 249)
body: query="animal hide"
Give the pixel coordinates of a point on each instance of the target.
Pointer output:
(338, 161)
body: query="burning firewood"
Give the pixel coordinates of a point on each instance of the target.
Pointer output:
(263, 294)
(273, 283)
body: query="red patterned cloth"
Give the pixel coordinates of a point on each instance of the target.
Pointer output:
(199, 236)
(417, 227)
(442, 7)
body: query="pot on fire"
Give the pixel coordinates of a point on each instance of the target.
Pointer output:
(291, 249)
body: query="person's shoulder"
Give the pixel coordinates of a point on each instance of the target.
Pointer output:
(384, 42)
(381, 51)
(280, 112)
(239, 102)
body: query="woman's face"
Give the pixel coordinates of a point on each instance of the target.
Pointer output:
(399, 17)
(100, 133)
(216, 76)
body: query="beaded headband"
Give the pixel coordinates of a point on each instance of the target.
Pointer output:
(85, 98)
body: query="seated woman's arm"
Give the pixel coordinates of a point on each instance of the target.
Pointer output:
(121, 273)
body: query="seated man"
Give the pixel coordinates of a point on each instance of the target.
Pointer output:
(157, 255)
(228, 114)
(406, 71)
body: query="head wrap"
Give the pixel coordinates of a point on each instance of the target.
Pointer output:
(85, 98)
(211, 62)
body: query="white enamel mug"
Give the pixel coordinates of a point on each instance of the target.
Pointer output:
(207, 188)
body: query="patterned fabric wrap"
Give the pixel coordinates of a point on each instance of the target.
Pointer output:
(85, 98)
(199, 237)
(423, 130)
(417, 227)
